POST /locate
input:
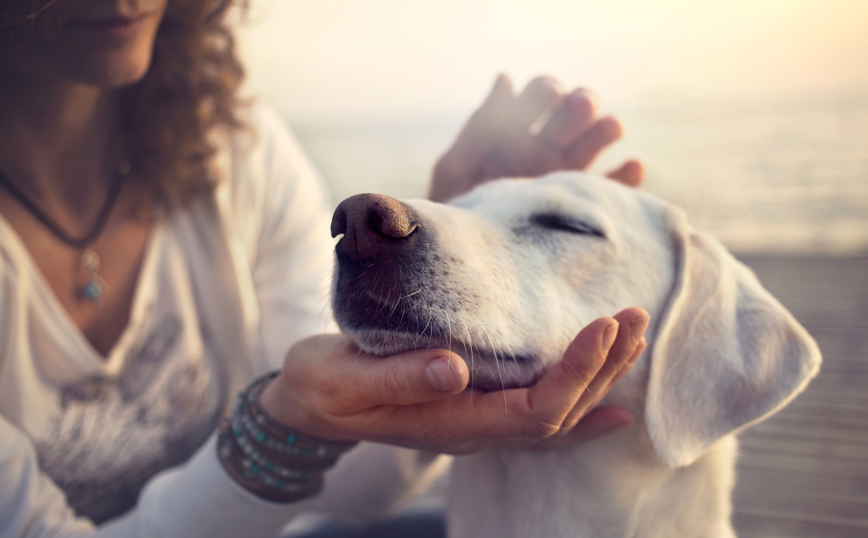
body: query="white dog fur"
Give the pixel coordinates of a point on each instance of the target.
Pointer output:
(507, 275)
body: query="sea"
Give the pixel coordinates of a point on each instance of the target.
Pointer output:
(774, 175)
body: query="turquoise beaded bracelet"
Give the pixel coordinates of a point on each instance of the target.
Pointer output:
(268, 458)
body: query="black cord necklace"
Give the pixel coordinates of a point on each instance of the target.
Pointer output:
(94, 286)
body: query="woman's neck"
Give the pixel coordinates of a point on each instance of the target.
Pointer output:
(56, 137)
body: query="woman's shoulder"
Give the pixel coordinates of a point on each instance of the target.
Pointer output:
(265, 161)
(270, 185)
(267, 147)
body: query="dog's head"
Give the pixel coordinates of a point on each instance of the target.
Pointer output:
(506, 275)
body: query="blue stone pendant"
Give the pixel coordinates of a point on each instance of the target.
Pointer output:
(93, 290)
(94, 286)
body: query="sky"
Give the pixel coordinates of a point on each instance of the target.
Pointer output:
(380, 58)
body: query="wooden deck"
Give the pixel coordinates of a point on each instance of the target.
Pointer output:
(804, 472)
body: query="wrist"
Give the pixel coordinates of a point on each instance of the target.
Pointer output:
(272, 402)
(250, 475)
(269, 459)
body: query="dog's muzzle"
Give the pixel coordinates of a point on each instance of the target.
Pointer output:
(382, 259)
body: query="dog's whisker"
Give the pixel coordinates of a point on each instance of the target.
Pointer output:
(494, 350)
(449, 334)
(414, 293)
(468, 340)
(422, 334)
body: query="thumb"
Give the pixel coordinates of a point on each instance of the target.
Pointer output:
(408, 378)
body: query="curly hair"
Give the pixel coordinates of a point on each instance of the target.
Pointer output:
(189, 92)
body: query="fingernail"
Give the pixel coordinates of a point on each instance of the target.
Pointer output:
(442, 375)
(581, 102)
(637, 328)
(609, 337)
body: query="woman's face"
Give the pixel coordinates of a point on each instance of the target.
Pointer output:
(102, 43)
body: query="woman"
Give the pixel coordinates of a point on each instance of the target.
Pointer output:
(161, 246)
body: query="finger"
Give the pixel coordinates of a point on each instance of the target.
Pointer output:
(597, 136)
(518, 154)
(557, 392)
(632, 323)
(354, 381)
(540, 95)
(480, 134)
(569, 120)
(412, 378)
(584, 407)
(640, 348)
(458, 170)
(521, 156)
(597, 423)
(631, 173)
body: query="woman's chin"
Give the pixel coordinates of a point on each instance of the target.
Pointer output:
(113, 70)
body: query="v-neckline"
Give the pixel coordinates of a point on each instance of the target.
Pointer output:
(97, 363)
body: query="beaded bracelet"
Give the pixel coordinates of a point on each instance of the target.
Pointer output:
(258, 480)
(269, 459)
(274, 435)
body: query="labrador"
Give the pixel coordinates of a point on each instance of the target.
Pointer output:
(505, 276)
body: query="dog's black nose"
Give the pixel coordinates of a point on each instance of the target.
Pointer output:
(371, 224)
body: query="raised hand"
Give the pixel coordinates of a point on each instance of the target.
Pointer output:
(540, 130)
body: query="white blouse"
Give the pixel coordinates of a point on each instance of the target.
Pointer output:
(227, 285)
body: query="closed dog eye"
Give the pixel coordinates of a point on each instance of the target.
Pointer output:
(563, 223)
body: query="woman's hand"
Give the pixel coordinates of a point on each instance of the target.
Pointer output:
(586, 421)
(502, 138)
(330, 390)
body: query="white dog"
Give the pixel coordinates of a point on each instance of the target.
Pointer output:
(507, 274)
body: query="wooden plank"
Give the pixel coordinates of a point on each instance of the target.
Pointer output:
(805, 506)
(803, 446)
(793, 483)
(804, 472)
(839, 428)
(803, 464)
(765, 525)
(826, 393)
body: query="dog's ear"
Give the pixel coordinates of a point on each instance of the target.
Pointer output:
(726, 353)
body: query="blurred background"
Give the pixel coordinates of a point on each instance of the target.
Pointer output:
(751, 114)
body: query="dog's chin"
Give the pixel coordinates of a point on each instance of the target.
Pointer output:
(489, 371)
